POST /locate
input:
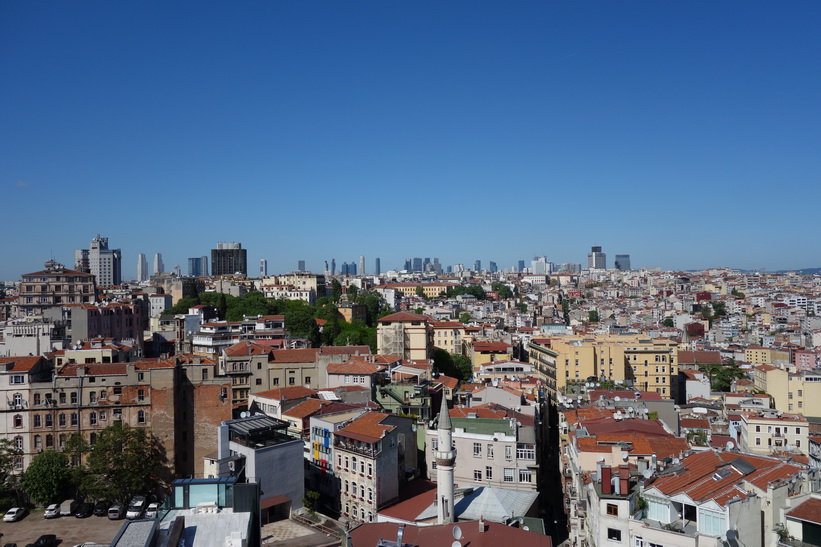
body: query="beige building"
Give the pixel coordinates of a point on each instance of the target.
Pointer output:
(756, 355)
(431, 290)
(449, 336)
(791, 390)
(405, 334)
(54, 286)
(773, 431)
(650, 364)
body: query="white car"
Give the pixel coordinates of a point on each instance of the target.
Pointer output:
(151, 511)
(14, 514)
(52, 511)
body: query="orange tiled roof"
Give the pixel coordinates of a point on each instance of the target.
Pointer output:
(367, 428)
(20, 364)
(287, 393)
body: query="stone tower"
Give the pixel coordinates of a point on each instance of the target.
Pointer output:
(445, 456)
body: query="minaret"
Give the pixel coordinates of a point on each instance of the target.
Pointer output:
(445, 457)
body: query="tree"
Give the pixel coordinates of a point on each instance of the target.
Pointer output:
(336, 290)
(475, 290)
(593, 316)
(222, 306)
(48, 478)
(465, 318)
(124, 461)
(669, 322)
(352, 291)
(503, 290)
(465, 366)
(8, 481)
(443, 361)
(420, 291)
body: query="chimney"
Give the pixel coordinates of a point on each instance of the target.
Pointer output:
(481, 523)
(606, 486)
(624, 479)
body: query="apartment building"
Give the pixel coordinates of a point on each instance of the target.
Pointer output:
(375, 456)
(791, 390)
(770, 431)
(490, 451)
(448, 335)
(55, 285)
(405, 335)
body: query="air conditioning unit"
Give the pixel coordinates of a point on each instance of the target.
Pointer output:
(232, 465)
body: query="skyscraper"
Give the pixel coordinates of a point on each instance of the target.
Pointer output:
(142, 268)
(263, 267)
(623, 262)
(493, 268)
(159, 267)
(477, 266)
(596, 259)
(228, 259)
(195, 267)
(333, 266)
(521, 266)
(408, 264)
(437, 267)
(300, 265)
(417, 264)
(204, 265)
(361, 265)
(103, 263)
(377, 267)
(176, 270)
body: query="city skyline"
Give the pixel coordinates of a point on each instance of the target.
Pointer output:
(651, 130)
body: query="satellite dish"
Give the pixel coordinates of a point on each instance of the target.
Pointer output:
(244, 414)
(457, 534)
(617, 398)
(647, 473)
(624, 456)
(455, 544)
(730, 445)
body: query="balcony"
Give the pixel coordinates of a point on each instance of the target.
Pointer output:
(351, 447)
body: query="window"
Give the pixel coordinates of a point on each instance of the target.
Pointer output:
(758, 428)
(49, 441)
(477, 450)
(525, 475)
(758, 441)
(36, 420)
(613, 534)
(18, 420)
(74, 397)
(489, 451)
(140, 376)
(92, 418)
(18, 442)
(292, 381)
(362, 466)
(141, 417)
(17, 379)
(49, 399)
(434, 443)
(74, 418)
(62, 397)
(509, 476)
(102, 415)
(370, 494)
(118, 390)
(92, 397)
(61, 420)
(276, 381)
(526, 451)
(798, 443)
(508, 452)
(370, 469)
(307, 379)
(798, 431)
(141, 395)
(489, 473)
(38, 442)
(259, 381)
(49, 420)
(477, 475)
(36, 399)
(612, 509)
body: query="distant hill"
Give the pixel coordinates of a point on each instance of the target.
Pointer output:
(804, 271)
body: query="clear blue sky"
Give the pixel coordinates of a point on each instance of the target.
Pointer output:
(687, 134)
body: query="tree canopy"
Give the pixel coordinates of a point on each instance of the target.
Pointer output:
(474, 290)
(48, 478)
(124, 461)
(503, 290)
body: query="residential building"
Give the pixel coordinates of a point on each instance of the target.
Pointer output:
(790, 390)
(54, 286)
(405, 335)
(770, 431)
(448, 335)
(375, 456)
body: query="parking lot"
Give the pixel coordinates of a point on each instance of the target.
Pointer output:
(69, 530)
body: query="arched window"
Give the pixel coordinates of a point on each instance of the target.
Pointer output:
(18, 442)
(362, 491)
(370, 494)
(346, 486)
(18, 420)
(362, 513)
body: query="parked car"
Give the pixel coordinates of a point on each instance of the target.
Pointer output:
(46, 540)
(101, 508)
(14, 514)
(135, 508)
(52, 511)
(10, 545)
(68, 507)
(84, 510)
(152, 510)
(116, 512)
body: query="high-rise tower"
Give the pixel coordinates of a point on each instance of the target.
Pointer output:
(377, 267)
(445, 456)
(228, 259)
(142, 268)
(159, 267)
(361, 265)
(623, 262)
(104, 263)
(263, 267)
(596, 259)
